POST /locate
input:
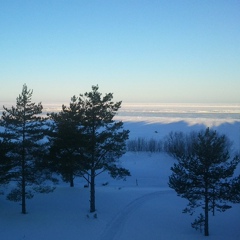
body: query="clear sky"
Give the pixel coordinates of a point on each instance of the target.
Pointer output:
(141, 50)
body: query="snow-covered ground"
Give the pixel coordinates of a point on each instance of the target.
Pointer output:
(142, 207)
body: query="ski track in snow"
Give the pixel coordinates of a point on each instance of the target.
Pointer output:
(116, 225)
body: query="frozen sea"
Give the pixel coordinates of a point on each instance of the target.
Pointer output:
(192, 114)
(183, 111)
(153, 111)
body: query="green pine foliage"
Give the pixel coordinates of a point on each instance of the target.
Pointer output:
(204, 174)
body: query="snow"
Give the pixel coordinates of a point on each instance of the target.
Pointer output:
(142, 207)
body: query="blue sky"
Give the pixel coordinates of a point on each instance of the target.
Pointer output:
(141, 50)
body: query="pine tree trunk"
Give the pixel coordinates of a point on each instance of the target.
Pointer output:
(206, 230)
(23, 184)
(71, 181)
(23, 195)
(92, 191)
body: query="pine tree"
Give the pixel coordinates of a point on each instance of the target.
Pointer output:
(65, 136)
(104, 138)
(23, 127)
(204, 176)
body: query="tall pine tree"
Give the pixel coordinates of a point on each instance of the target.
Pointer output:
(23, 127)
(104, 138)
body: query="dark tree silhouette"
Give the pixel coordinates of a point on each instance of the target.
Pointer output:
(104, 138)
(204, 174)
(23, 127)
(66, 139)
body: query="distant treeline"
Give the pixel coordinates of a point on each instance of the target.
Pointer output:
(142, 144)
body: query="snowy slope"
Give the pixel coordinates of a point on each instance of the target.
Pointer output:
(142, 207)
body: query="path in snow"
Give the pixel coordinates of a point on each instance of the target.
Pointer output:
(116, 225)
